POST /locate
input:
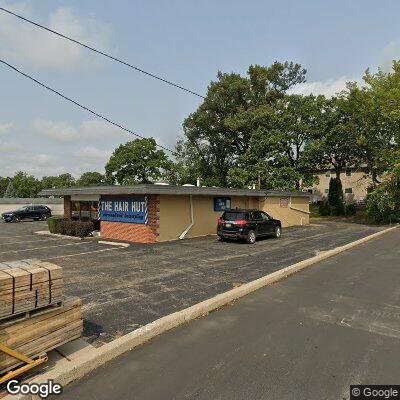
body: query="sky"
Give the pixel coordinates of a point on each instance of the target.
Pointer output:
(185, 41)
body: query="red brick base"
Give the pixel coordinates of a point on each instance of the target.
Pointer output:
(139, 233)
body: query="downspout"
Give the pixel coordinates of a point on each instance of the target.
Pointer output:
(183, 234)
(298, 209)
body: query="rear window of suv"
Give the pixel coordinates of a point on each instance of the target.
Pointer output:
(234, 216)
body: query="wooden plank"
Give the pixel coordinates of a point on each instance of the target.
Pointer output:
(41, 333)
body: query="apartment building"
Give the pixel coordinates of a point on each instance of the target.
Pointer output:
(356, 183)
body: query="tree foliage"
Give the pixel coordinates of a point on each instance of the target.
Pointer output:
(91, 179)
(137, 161)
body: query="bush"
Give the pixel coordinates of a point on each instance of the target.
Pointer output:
(335, 195)
(75, 228)
(53, 223)
(383, 204)
(324, 209)
(351, 209)
(338, 209)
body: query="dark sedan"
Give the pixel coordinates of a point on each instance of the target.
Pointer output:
(35, 212)
(248, 225)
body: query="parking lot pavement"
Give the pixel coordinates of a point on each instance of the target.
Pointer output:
(125, 288)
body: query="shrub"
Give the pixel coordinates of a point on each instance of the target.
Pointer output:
(75, 228)
(338, 208)
(53, 223)
(351, 209)
(324, 209)
(335, 195)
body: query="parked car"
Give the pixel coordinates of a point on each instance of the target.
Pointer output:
(248, 225)
(36, 212)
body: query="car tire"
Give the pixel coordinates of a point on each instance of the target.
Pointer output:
(251, 237)
(44, 217)
(221, 239)
(277, 232)
(15, 219)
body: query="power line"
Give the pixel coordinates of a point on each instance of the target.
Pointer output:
(81, 106)
(102, 53)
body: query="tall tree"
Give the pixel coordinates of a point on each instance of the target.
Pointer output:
(25, 185)
(58, 182)
(4, 182)
(278, 151)
(91, 179)
(10, 190)
(137, 161)
(218, 133)
(335, 144)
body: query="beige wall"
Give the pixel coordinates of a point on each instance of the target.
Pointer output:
(57, 207)
(174, 214)
(287, 215)
(358, 182)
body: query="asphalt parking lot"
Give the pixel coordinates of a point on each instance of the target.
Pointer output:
(125, 288)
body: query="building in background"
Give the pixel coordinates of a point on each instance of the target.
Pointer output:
(157, 213)
(356, 183)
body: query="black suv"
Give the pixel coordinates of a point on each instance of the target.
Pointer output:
(27, 212)
(248, 225)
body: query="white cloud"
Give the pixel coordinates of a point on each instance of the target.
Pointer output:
(93, 153)
(24, 43)
(95, 129)
(5, 128)
(389, 53)
(59, 131)
(328, 88)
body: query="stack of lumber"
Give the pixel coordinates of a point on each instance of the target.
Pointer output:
(41, 332)
(29, 285)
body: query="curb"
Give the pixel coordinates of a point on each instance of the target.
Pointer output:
(68, 371)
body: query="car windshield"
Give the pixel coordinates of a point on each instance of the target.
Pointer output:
(234, 216)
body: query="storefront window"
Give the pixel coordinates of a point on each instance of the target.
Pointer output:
(88, 210)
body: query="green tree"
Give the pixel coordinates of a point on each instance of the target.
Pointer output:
(10, 191)
(137, 161)
(25, 185)
(281, 136)
(221, 129)
(335, 145)
(58, 182)
(4, 182)
(91, 179)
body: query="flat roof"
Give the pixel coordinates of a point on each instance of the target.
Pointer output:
(166, 189)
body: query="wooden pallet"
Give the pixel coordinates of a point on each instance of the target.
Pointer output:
(41, 332)
(25, 287)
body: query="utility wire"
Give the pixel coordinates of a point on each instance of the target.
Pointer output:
(102, 53)
(81, 106)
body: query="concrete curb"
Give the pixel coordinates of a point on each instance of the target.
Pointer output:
(68, 371)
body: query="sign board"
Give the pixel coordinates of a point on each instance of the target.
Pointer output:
(284, 202)
(222, 203)
(132, 209)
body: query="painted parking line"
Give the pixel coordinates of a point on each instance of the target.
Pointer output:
(114, 243)
(81, 254)
(41, 248)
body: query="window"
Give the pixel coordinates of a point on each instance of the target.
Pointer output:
(348, 172)
(328, 174)
(326, 190)
(257, 215)
(234, 216)
(85, 210)
(265, 216)
(348, 190)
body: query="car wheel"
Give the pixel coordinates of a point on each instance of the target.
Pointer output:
(15, 219)
(278, 232)
(44, 217)
(251, 237)
(221, 239)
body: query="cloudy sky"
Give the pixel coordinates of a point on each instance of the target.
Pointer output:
(186, 41)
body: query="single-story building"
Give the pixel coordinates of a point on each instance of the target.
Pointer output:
(157, 212)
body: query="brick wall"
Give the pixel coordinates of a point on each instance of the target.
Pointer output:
(67, 206)
(140, 233)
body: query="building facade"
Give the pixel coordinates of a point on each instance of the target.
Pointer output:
(356, 184)
(158, 213)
